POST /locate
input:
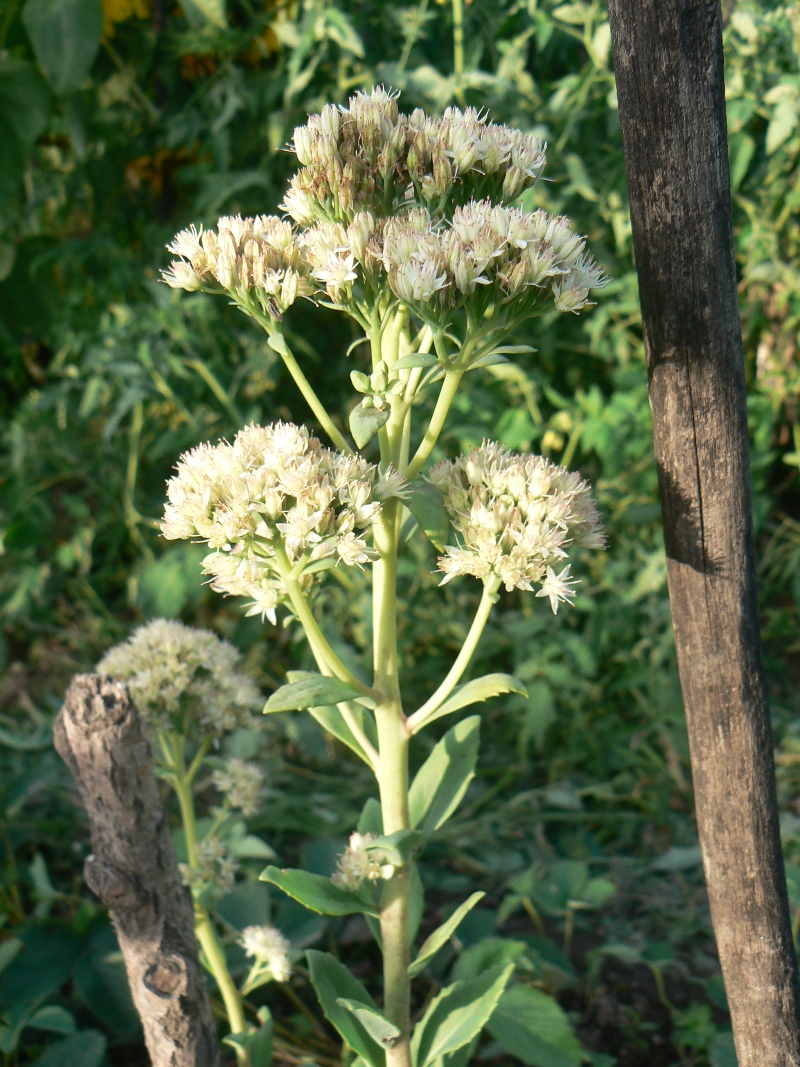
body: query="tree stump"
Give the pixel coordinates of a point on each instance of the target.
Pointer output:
(100, 736)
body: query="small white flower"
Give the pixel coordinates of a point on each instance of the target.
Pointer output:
(558, 587)
(270, 949)
(358, 864)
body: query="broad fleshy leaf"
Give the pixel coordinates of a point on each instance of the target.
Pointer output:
(311, 691)
(424, 501)
(440, 937)
(332, 980)
(332, 720)
(457, 1015)
(443, 778)
(65, 35)
(376, 1025)
(534, 1028)
(365, 423)
(317, 893)
(476, 691)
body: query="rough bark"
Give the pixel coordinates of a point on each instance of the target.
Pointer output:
(132, 869)
(669, 68)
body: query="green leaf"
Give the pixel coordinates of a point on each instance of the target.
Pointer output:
(332, 980)
(309, 692)
(415, 359)
(65, 35)
(24, 109)
(783, 122)
(8, 950)
(491, 359)
(370, 821)
(84, 1049)
(55, 1019)
(476, 691)
(723, 1051)
(200, 13)
(332, 720)
(317, 893)
(257, 1043)
(487, 953)
(425, 502)
(439, 938)
(573, 14)
(365, 423)
(443, 778)
(247, 904)
(534, 1028)
(376, 1025)
(101, 981)
(397, 846)
(457, 1015)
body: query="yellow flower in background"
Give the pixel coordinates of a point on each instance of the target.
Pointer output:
(115, 11)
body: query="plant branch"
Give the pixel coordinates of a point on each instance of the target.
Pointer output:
(462, 661)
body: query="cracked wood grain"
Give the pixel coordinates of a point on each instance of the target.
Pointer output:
(132, 869)
(669, 67)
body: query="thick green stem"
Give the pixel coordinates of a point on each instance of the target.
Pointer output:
(203, 928)
(462, 661)
(393, 738)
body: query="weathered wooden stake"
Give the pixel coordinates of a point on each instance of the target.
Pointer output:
(100, 737)
(669, 68)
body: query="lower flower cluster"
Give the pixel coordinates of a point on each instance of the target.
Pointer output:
(515, 518)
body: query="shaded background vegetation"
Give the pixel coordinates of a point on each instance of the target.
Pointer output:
(118, 127)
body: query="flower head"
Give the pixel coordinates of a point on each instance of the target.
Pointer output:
(369, 156)
(214, 870)
(270, 949)
(516, 517)
(359, 863)
(177, 673)
(271, 501)
(253, 259)
(241, 784)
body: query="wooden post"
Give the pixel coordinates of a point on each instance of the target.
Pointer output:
(99, 735)
(669, 68)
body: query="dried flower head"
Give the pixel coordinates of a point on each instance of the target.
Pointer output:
(241, 784)
(370, 157)
(272, 501)
(255, 259)
(270, 949)
(178, 674)
(515, 518)
(215, 869)
(358, 864)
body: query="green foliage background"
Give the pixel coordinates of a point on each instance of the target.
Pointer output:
(120, 123)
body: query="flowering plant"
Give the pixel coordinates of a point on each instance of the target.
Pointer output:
(406, 224)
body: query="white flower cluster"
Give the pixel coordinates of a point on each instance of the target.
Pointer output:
(370, 156)
(241, 783)
(215, 870)
(515, 517)
(485, 254)
(252, 259)
(274, 490)
(358, 864)
(177, 674)
(270, 949)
